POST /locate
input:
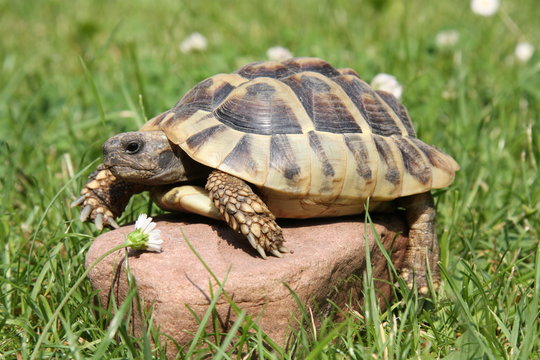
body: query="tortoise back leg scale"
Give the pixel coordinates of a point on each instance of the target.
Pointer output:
(423, 250)
(246, 213)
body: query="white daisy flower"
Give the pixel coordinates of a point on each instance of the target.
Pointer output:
(145, 236)
(278, 53)
(388, 83)
(194, 42)
(447, 39)
(524, 51)
(484, 7)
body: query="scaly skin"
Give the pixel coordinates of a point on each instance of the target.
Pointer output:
(423, 249)
(104, 197)
(246, 213)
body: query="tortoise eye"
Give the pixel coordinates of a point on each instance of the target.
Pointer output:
(133, 147)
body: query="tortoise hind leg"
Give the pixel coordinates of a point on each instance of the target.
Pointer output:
(185, 198)
(246, 213)
(423, 249)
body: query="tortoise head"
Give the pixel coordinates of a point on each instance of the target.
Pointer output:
(148, 157)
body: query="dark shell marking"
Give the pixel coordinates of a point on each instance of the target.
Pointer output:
(198, 139)
(325, 109)
(392, 173)
(282, 157)
(378, 117)
(265, 69)
(360, 154)
(316, 146)
(432, 153)
(399, 109)
(259, 111)
(204, 96)
(370, 105)
(311, 64)
(287, 68)
(413, 161)
(241, 156)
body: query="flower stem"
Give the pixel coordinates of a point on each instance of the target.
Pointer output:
(68, 295)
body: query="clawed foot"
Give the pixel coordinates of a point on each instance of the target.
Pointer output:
(92, 210)
(246, 213)
(265, 237)
(97, 199)
(260, 249)
(420, 281)
(253, 219)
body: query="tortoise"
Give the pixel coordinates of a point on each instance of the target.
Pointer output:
(291, 139)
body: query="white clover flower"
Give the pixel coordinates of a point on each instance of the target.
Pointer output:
(388, 83)
(524, 51)
(484, 7)
(447, 39)
(278, 53)
(145, 236)
(194, 42)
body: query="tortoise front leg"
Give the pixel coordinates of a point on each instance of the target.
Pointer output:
(423, 249)
(246, 213)
(104, 197)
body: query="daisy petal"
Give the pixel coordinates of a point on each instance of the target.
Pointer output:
(140, 221)
(150, 227)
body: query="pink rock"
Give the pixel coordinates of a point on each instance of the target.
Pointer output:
(326, 252)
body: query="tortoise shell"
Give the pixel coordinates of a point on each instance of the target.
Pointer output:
(315, 140)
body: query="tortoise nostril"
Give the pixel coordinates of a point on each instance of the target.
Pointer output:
(133, 147)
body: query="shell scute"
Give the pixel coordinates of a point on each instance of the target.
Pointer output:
(283, 158)
(200, 138)
(362, 166)
(361, 155)
(399, 109)
(379, 119)
(322, 103)
(320, 153)
(298, 65)
(205, 96)
(241, 156)
(389, 176)
(272, 69)
(414, 162)
(348, 71)
(379, 115)
(258, 108)
(328, 168)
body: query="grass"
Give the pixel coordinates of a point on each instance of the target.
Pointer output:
(74, 73)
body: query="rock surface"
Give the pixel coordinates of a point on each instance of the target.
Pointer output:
(326, 252)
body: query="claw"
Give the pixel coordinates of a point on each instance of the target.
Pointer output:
(276, 253)
(78, 202)
(99, 221)
(113, 223)
(85, 212)
(283, 249)
(252, 241)
(260, 249)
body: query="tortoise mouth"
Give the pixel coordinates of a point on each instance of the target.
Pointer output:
(132, 173)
